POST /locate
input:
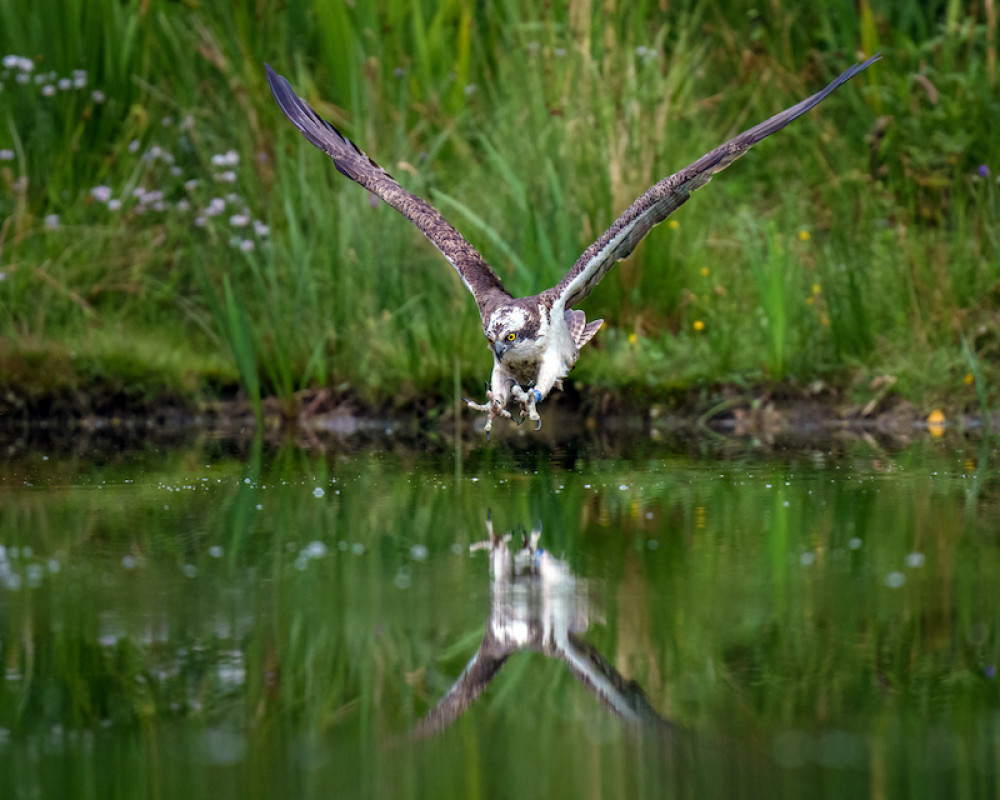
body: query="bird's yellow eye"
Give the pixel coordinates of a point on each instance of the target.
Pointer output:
(511, 337)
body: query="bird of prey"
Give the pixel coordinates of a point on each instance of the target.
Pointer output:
(535, 340)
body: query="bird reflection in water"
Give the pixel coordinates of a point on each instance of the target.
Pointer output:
(538, 604)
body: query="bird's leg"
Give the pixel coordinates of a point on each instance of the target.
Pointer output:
(496, 400)
(527, 400)
(491, 407)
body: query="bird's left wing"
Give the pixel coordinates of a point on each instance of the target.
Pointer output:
(664, 197)
(349, 159)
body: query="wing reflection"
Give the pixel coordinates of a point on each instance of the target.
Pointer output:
(539, 604)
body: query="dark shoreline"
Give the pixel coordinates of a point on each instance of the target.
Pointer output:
(321, 420)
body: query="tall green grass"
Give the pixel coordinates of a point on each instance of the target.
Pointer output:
(532, 128)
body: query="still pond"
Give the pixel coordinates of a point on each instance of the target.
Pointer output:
(664, 622)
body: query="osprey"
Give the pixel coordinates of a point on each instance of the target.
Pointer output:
(535, 340)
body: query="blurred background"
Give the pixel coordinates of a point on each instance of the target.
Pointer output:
(167, 236)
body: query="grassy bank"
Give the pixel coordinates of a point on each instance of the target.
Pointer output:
(164, 230)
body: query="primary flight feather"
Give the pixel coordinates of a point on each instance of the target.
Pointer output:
(535, 340)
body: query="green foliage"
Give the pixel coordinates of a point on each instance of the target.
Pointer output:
(532, 127)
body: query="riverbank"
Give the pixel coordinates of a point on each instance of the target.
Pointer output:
(776, 418)
(168, 240)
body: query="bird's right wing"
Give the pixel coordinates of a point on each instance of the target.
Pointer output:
(660, 201)
(349, 160)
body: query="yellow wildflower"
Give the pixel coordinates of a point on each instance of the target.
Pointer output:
(673, 224)
(804, 236)
(969, 378)
(632, 338)
(824, 321)
(698, 325)
(704, 272)
(816, 288)
(936, 422)
(810, 301)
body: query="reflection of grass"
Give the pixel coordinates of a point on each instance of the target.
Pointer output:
(532, 129)
(231, 596)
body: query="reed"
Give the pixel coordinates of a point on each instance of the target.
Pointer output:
(159, 189)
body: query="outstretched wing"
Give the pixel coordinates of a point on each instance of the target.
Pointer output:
(663, 198)
(477, 275)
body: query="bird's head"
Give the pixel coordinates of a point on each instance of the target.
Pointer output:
(511, 332)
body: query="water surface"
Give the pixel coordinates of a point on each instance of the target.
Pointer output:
(280, 623)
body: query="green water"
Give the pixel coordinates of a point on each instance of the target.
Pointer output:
(194, 624)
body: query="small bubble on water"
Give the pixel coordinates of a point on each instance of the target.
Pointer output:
(129, 562)
(33, 575)
(915, 560)
(315, 549)
(418, 552)
(807, 559)
(215, 551)
(318, 491)
(402, 580)
(895, 579)
(854, 543)
(623, 487)
(652, 544)
(358, 549)
(259, 506)
(189, 570)
(301, 562)
(457, 549)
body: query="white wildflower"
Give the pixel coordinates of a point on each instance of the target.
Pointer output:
(114, 204)
(97, 96)
(101, 193)
(239, 220)
(215, 207)
(260, 228)
(52, 222)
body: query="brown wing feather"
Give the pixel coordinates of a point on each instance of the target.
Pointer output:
(351, 161)
(664, 197)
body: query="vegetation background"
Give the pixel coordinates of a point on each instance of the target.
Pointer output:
(166, 234)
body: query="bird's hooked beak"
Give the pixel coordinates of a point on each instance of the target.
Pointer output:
(499, 347)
